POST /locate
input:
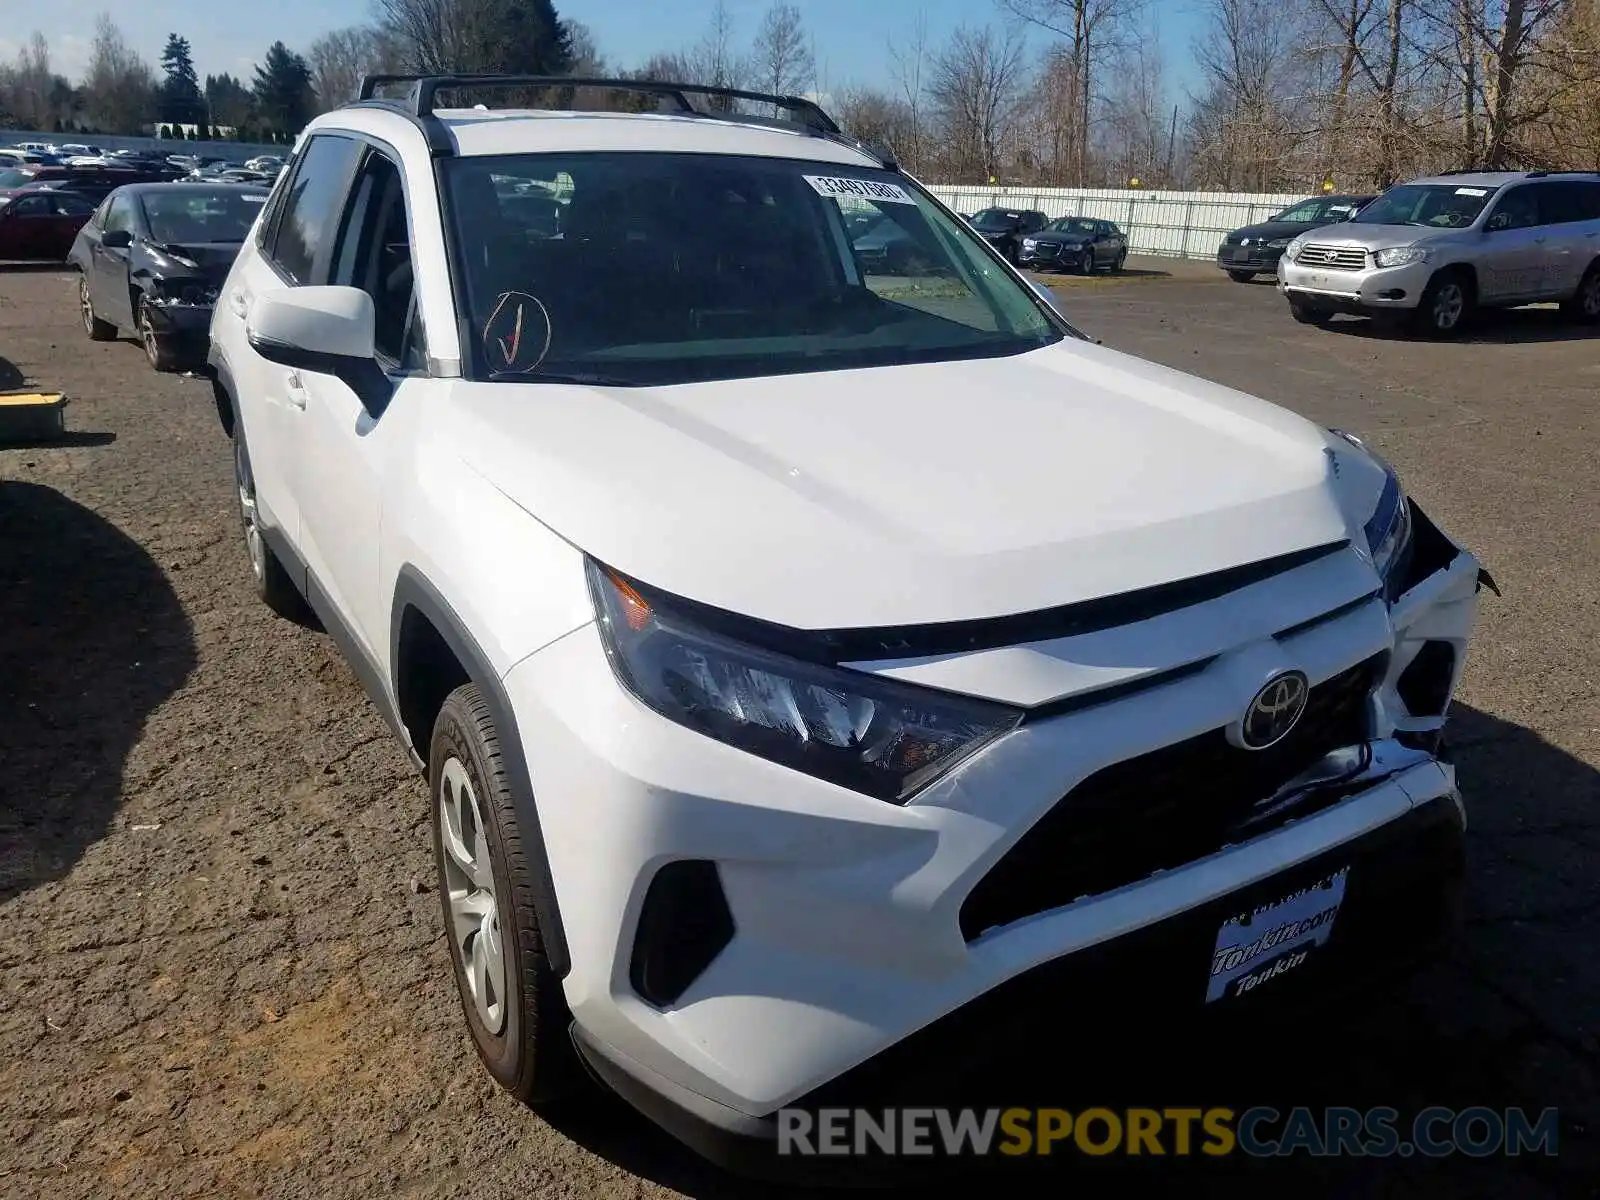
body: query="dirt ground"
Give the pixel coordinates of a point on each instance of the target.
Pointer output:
(222, 970)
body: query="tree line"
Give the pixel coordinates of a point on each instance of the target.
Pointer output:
(1279, 95)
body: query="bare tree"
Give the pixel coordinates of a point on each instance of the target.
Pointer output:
(782, 60)
(27, 87)
(908, 67)
(974, 85)
(1241, 128)
(119, 86)
(875, 117)
(339, 59)
(1093, 31)
(1137, 126)
(586, 56)
(715, 60)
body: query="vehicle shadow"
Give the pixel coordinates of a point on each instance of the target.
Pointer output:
(30, 266)
(1453, 1035)
(1070, 277)
(1492, 326)
(11, 375)
(92, 640)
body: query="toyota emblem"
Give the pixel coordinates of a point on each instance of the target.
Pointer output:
(1275, 711)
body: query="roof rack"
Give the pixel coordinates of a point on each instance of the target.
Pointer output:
(424, 89)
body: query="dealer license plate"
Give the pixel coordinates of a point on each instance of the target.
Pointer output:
(1257, 947)
(1318, 280)
(1241, 255)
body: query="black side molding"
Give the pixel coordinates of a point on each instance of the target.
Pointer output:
(1486, 580)
(413, 590)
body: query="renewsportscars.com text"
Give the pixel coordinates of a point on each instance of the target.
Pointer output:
(1211, 1132)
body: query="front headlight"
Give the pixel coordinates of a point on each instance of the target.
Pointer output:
(1292, 250)
(1399, 256)
(1388, 530)
(1278, 243)
(872, 735)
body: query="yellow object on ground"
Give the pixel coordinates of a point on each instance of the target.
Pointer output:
(32, 416)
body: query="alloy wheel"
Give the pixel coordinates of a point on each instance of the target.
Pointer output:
(1591, 296)
(147, 335)
(474, 911)
(85, 305)
(1448, 305)
(247, 512)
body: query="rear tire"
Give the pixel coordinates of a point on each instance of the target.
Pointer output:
(98, 330)
(1309, 313)
(273, 585)
(1446, 305)
(515, 1009)
(1241, 276)
(1583, 305)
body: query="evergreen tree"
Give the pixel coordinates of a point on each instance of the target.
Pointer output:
(180, 99)
(282, 87)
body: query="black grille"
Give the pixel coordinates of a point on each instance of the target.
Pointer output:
(1162, 809)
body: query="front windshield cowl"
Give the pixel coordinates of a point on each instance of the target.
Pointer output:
(647, 268)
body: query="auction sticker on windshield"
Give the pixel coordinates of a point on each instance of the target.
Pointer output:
(1256, 947)
(859, 189)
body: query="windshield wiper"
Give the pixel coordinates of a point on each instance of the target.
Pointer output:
(592, 378)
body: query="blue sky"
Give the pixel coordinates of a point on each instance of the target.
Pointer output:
(849, 34)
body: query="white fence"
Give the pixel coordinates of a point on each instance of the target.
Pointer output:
(1175, 224)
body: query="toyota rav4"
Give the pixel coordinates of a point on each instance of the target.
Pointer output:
(798, 652)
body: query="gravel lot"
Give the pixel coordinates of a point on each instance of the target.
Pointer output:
(222, 969)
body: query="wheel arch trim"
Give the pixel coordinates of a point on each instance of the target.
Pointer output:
(413, 590)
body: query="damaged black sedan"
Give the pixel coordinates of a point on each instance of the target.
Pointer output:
(151, 260)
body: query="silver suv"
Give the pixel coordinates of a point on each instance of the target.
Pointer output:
(1433, 250)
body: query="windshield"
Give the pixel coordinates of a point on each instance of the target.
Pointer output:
(996, 218)
(1303, 213)
(660, 268)
(185, 215)
(1081, 225)
(15, 179)
(1436, 205)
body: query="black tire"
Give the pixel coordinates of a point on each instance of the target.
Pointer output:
(158, 350)
(1241, 276)
(1446, 305)
(528, 1051)
(1583, 305)
(273, 585)
(1308, 312)
(1119, 262)
(98, 330)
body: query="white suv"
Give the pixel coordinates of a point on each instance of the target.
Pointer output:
(1433, 250)
(797, 652)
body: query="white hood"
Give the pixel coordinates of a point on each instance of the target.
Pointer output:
(911, 495)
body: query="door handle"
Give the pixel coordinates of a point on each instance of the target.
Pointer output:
(239, 303)
(297, 391)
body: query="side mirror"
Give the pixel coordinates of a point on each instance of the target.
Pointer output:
(117, 239)
(324, 330)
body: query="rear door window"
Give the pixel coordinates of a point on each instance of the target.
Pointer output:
(304, 238)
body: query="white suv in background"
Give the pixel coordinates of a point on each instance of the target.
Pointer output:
(797, 652)
(1434, 250)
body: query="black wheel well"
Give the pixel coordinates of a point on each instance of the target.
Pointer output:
(224, 405)
(1466, 270)
(426, 671)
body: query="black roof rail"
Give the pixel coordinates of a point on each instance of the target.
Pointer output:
(425, 88)
(419, 103)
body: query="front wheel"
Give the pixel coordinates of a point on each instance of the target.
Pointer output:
(1584, 304)
(1118, 262)
(512, 999)
(1308, 313)
(1446, 305)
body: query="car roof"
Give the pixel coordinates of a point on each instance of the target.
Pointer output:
(479, 132)
(1501, 178)
(140, 189)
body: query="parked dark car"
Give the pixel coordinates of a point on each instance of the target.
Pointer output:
(1075, 244)
(95, 182)
(1004, 228)
(1256, 249)
(39, 224)
(885, 246)
(152, 259)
